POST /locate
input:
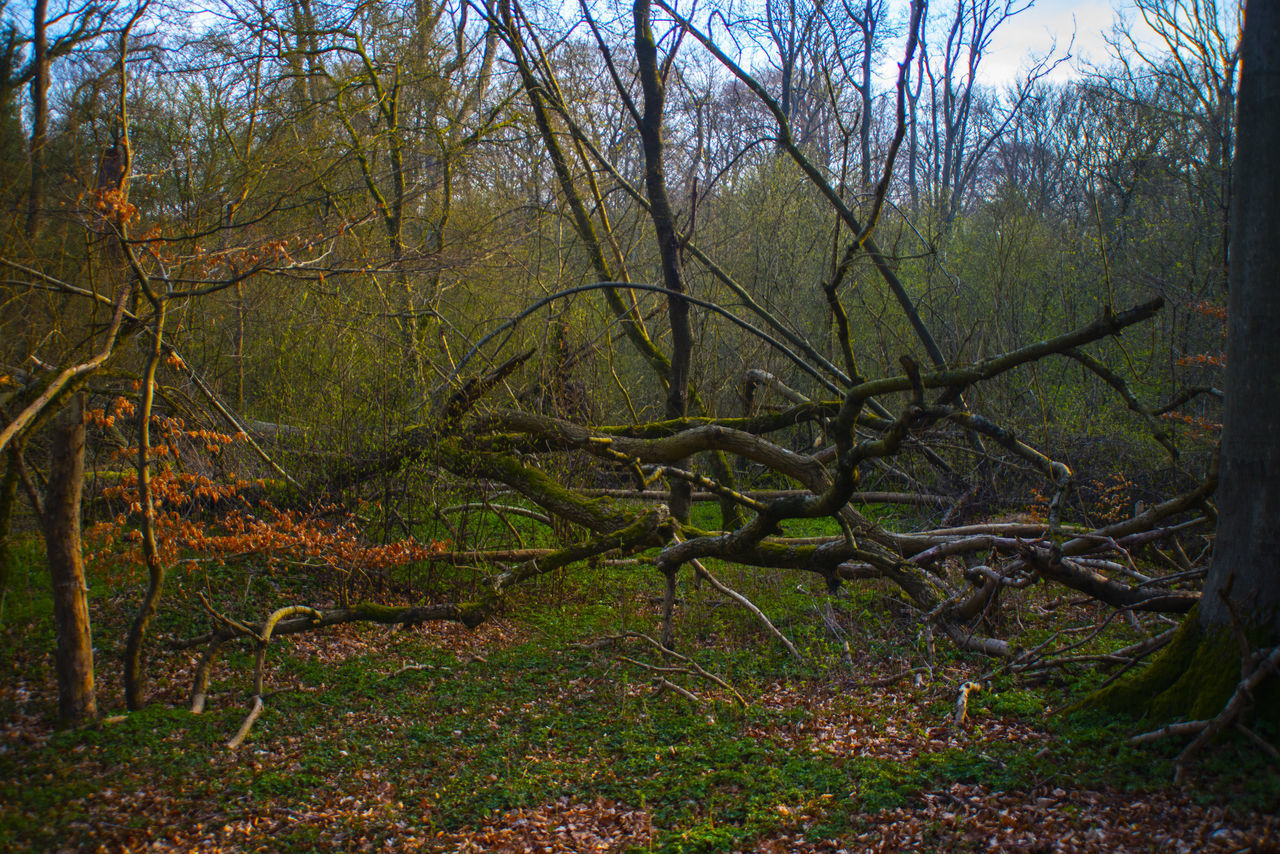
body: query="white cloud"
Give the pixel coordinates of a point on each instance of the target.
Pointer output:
(1031, 34)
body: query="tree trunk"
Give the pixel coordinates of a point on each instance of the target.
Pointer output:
(8, 499)
(135, 675)
(74, 659)
(870, 21)
(1248, 539)
(664, 226)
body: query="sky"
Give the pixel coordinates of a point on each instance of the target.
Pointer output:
(1033, 33)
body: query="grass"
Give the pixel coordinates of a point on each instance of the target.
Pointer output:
(521, 713)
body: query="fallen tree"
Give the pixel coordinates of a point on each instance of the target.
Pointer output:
(493, 426)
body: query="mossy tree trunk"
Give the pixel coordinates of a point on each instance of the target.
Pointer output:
(1192, 678)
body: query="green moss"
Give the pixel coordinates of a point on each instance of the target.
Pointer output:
(537, 486)
(475, 613)
(381, 613)
(1192, 678)
(1207, 681)
(1133, 695)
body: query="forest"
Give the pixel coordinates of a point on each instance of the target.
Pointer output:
(759, 425)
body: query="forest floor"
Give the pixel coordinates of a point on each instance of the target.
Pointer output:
(531, 733)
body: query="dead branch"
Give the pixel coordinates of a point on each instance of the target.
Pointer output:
(649, 529)
(1258, 740)
(1114, 380)
(654, 667)
(514, 510)
(859, 497)
(1187, 396)
(974, 643)
(715, 489)
(749, 605)
(1170, 731)
(757, 377)
(989, 584)
(233, 624)
(664, 684)
(692, 665)
(409, 668)
(363, 613)
(1207, 730)
(886, 681)
(260, 664)
(979, 543)
(1128, 656)
(466, 397)
(1071, 574)
(485, 556)
(222, 409)
(66, 381)
(243, 732)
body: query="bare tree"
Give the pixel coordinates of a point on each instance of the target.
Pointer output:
(83, 23)
(964, 119)
(1190, 75)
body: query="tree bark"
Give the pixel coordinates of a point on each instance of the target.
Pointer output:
(664, 225)
(135, 676)
(1248, 537)
(8, 498)
(74, 658)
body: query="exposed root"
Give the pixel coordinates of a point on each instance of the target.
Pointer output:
(1230, 716)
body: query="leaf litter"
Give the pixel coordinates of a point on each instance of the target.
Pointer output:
(353, 804)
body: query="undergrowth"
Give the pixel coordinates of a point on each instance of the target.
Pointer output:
(410, 736)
